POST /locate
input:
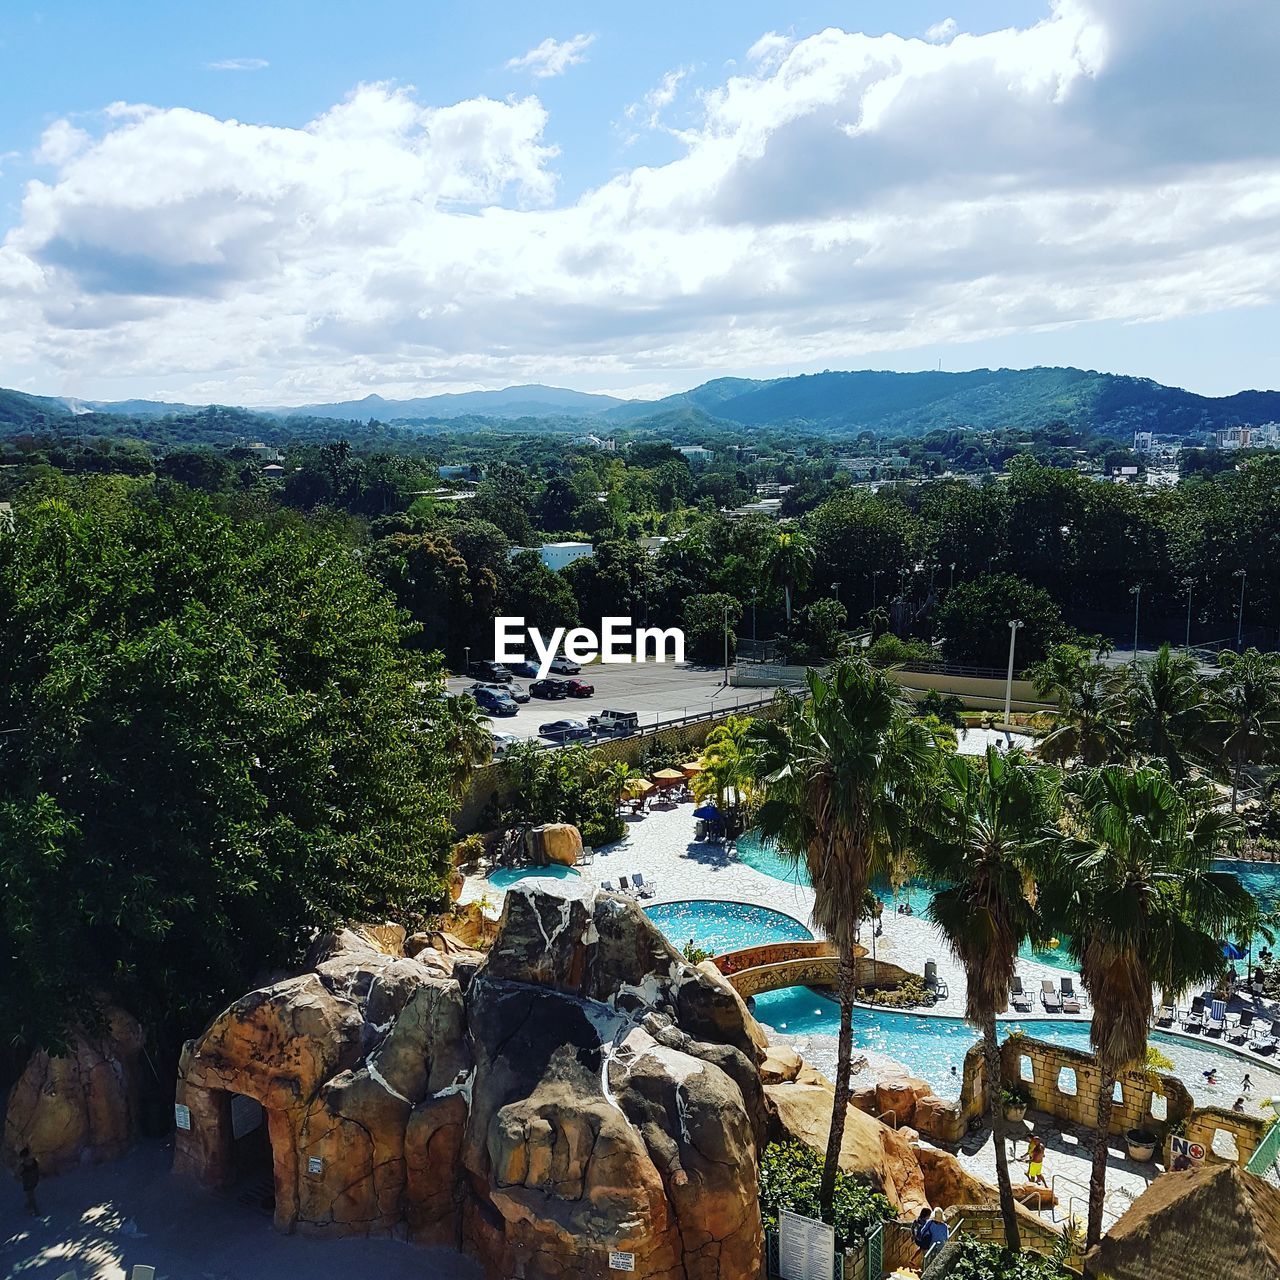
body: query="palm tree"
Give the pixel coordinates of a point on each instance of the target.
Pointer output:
(843, 775)
(726, 766)
(1090, 714)
(1246, 712)
(790, 565)
(1134, 892)
(983, 832)
(1167, 712)
(466, 740)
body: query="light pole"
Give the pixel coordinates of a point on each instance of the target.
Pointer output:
(1189, 583)
(466, 658)
(1240, 573)
(753, 618)
(952, 581)
(1136, 592)
(875, 573)
(835, 586)
(726, 646)
(1008, 680)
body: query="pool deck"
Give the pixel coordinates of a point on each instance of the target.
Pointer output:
(660, 845)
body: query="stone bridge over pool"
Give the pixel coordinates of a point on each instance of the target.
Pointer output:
(775, 965)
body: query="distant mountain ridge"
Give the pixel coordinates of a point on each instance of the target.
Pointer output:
(834, 402)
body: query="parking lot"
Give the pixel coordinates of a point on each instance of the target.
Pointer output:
(655, 691)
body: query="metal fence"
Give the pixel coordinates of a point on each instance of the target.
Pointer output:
(1265, 1161)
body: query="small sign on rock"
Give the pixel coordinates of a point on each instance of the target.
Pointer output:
(619, 1261)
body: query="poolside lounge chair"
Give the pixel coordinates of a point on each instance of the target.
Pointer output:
(624, 886)
(1193, 1019)
(1264, 1040)
(1019, 998)
(143, 1273)
(1216, 1022)
(1050, 996)
(1068, 988)
(642, 887)
(607, 886)
(1243, 1029)
(1167, 1016)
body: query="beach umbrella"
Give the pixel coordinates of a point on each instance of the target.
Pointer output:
(668, 777)
(691, 768)
(708, 813)
(1233, 951)
(635, 788)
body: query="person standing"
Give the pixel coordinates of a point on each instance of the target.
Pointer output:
(1035, 1162)
(1246, 1084)
(29, 1177)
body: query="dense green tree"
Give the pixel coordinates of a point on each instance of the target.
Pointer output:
(1246, 712)
(708, 618)
(212, 747)
(864, 542)
(789, 565)
(973, 622)
(1167, 713)
(528, 589)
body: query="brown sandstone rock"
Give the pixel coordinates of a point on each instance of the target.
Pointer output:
(947, 1182)
(81, 1107)
(870, 1151)
(555, 843)
(781, 1064)
(896, 1099)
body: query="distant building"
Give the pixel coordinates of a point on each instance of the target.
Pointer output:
(1143, 441)
(273, 471)
(557, 555)
(654, 545)
(594, 442)
(862, 467)
(265, 452)
(771, 507)
(695, 455)
(1233, 438)
(460, 471)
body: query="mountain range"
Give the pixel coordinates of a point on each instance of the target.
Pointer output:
(834, 402)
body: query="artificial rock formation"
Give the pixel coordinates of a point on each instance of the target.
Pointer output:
(81, 1107)
(580, 1090)
(554, 843)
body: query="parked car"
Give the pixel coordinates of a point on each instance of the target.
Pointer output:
(502, 743)
(513, 691)
(618, 723)
(579, 688)
(527, 669)
(549, 688)
(563, 667)
(489, 672)
(494, 703)
(564, 730)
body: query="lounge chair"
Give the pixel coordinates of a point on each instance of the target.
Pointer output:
(1242, 1030)
(1193, 1019)
(1216, 1022)
(1068, 988)
(642, 887)
(607, 886)
(1264, 1040)
(1019, 998)
(624, 886)
(1167, 1016)
(143, 1273)
(1050, 996)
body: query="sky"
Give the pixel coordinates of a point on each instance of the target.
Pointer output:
(313, 200)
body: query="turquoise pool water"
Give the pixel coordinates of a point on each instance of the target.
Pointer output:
(724, 926)
(933, 1048)
(1262, 879)
(505, 877)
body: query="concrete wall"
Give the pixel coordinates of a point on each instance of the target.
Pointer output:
(1206, 1123)
(984, 1222)
(978, 692)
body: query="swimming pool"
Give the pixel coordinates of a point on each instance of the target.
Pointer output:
(505, 877)
(1262, 879)
(933, 1049)
(718, 927)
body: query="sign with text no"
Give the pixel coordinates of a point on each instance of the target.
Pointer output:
(806, 1247)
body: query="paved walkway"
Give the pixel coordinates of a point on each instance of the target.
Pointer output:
(103, 1220)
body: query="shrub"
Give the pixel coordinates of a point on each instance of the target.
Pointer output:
(790, 1176)
(911, 993)
(978, 1261)
(892, 651)
(695, 954)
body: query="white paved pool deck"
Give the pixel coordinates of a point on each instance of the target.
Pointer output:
(661, 846)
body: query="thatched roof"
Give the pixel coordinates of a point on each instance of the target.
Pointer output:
(1218, 1221)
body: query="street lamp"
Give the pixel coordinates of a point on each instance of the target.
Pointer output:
(875, 573)
(726, 646)
(466, 658)
(1240, 573)
(835, 586)
(1008, 681)
(753, 618)
(1136, 592)
(1189, 583)
(952, 582)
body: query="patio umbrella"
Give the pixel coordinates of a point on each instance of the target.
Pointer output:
(691, 768)
(668, 777)
(635, 788)
(708, 812)
(1217, 1220)
(1233, 951)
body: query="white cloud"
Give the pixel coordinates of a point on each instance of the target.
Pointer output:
(648, 111)
(942, 32)
(770, 49)
(60, 142)
(553, 57)
(857, 194)
(238, 64)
